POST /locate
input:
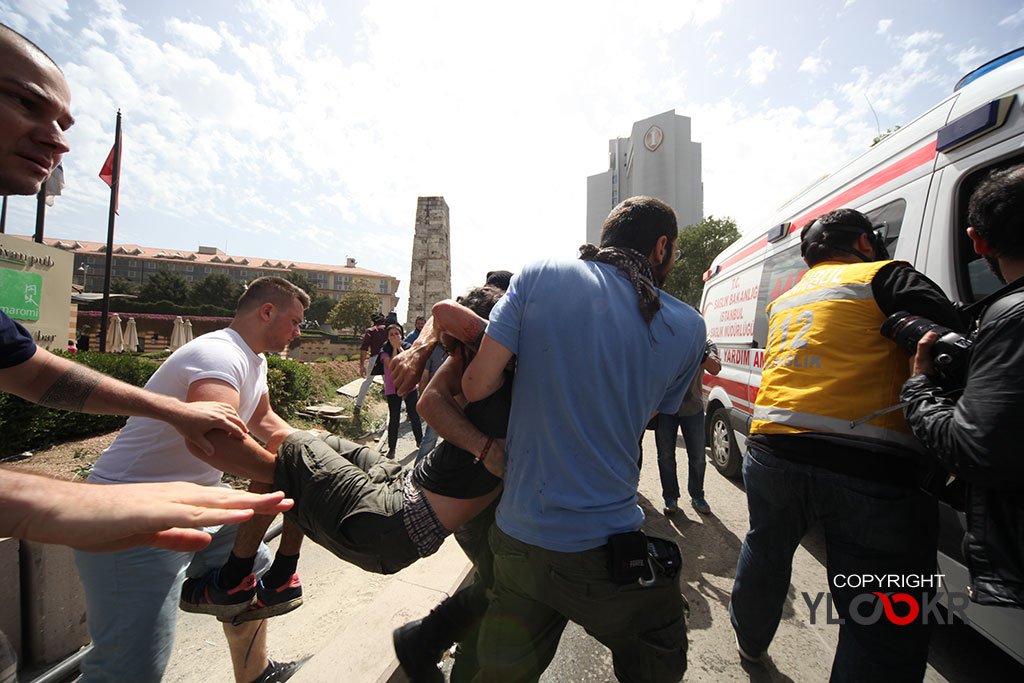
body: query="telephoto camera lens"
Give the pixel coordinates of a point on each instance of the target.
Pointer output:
(950, 352)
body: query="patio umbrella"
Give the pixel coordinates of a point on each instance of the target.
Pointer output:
(131, 336)
(188, 331)
(115, 335)
(178, 334)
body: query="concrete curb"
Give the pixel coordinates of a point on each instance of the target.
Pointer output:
(362, 649)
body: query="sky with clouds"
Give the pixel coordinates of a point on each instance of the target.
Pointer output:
(306, 129)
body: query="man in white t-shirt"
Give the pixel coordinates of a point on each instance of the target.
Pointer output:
(132, 596)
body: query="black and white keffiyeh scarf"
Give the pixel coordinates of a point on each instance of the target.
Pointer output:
(636, 267)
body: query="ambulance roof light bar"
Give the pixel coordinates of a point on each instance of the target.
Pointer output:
(989, 66)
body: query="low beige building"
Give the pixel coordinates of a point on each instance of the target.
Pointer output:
(136, 263)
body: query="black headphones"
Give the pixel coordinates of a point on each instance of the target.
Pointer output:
(816, 234)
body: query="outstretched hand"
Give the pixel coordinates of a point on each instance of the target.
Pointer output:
(103, 518)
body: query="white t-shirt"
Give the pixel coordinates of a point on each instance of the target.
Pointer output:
(150, 450)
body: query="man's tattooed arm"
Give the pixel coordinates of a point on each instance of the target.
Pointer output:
(70, 390)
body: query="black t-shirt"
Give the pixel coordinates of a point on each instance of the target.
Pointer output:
(896, 287)
(16, 344)
(449, 470)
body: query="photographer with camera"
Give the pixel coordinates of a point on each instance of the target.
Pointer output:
(976, 437)
(819, 453)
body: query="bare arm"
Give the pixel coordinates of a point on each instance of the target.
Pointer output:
(268, 426)
(100, 518)
(485, 373)
(447, 317)
(244, 458)
(362, 362)
(57, 382)
(441, 406)
(712, 364)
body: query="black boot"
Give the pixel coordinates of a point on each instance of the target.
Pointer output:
(418, 653)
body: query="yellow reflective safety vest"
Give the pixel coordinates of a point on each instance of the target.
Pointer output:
(826, 364)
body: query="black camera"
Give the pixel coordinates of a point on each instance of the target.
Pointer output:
(949, 354)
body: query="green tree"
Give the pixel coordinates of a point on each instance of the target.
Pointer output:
(319, 308)
(302, 282)
(354, 311)
(699, 245)
(120, 285)
(217, 289)
(882, 136)
(165, 285)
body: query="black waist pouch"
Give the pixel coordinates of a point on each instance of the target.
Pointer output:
(635, 556)
(665, 555)
(627, 553)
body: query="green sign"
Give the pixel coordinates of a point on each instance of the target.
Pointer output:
(20, 293)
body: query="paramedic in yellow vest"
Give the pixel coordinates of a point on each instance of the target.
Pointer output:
(826, 366)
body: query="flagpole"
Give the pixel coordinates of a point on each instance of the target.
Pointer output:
(3, 217)
(114, 182)
(40, 212)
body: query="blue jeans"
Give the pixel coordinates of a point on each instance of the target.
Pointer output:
(870, 528)
(428, 443)
(692, 427)
(131, 601)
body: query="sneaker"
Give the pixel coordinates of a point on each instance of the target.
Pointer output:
(671, 506)
(272, 602)
(701, 506)
(279, 671)
(418, 662)
(202, 595)
(746, 656)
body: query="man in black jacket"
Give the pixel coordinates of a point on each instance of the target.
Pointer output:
(977, 437)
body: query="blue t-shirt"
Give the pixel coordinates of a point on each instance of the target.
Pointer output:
(16, 344)
(589, 375)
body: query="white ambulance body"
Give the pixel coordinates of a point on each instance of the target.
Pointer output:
(915, 185)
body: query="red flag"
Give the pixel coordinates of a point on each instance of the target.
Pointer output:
(107, 172)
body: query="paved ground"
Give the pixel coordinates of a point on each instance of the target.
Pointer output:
(801, 651)
(347, 619)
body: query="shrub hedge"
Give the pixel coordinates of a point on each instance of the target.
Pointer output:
(164, 307)
(28, 426)
(290, 384)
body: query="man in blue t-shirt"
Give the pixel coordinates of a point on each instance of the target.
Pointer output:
(571, 470)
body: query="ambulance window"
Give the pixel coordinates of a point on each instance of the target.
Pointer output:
(888, 219)
(976, 280)
(781, 271)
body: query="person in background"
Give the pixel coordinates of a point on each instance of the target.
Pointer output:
(690, 420)
(391, 349)
(420, 322)
(437, 357)
(373, 338)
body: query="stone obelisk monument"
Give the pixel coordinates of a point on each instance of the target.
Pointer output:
(430, 278)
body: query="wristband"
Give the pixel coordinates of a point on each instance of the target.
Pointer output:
(483, 453)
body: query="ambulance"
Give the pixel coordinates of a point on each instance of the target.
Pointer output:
(914, 186)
